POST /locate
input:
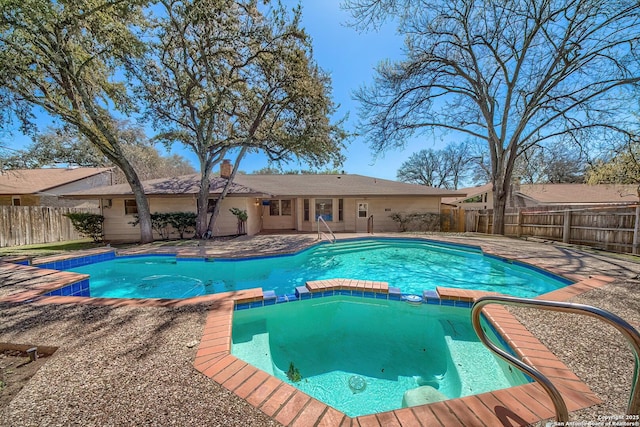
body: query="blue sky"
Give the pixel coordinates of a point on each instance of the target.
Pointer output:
(349, 57)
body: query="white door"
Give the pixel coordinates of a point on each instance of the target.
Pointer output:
(362, 216)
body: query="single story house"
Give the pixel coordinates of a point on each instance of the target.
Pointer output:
(42, 187)
(274, 202)
(535, 195)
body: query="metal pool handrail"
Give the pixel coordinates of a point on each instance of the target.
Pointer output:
(333, 236)
(628, 331)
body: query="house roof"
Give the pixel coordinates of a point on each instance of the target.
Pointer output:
(559, 194)
(32, 181)
(468, 193)
(555, 194)
(274, 186)
(337, 185)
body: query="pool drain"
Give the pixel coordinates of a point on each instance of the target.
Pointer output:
(357, 384)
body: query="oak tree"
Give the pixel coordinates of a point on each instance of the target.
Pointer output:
(445, 168)
(510, 73)
(65, 57)
(226, 79)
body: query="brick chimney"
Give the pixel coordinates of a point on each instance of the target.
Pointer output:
(225, 169)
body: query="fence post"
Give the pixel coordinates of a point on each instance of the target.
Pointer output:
(636, 231)
(487, 228)
(519, 223)
(566, 232)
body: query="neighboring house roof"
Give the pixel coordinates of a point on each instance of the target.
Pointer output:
(556, 194)
(274, 186)
(559, 194)
(468, 193)
(33, 181)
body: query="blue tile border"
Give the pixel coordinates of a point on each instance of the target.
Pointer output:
(70, 263)
(77, 289)
(302, 294)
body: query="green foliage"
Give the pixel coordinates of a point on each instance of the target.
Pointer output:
(622, 168)
(87, 224)
(67, 58)
(244, 77)
(182, 222)
(417, 221)
(241, 214)
(293, 373)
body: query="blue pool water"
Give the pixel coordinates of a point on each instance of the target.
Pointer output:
(361, 356)
(411, 265)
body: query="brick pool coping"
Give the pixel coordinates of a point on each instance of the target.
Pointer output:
(518, 405)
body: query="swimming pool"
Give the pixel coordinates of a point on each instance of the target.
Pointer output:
(363, 356)
(413, 265)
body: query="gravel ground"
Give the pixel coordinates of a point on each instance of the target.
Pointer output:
(596, 352)
(125, 366)
(118, 367)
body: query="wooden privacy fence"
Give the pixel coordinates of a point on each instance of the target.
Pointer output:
(613, 228)
(27, 225)
(451, 219)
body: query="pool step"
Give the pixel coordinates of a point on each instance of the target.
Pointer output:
(481, 359)
(261, 352)
(342, 248)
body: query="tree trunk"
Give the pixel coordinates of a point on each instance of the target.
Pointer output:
(202, 226)
(216, 210)
(144, 212)
(499, 208)
(500, 193)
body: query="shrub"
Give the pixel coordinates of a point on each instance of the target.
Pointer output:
(242, 216)
(182, 222)
(87, 224)
(417, 221)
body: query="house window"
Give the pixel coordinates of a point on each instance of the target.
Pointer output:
(285, 207)
(280, 207)
(324, 208)
(130, 207)
(305, 204)
(211, 205)
(15, 201)
(274, 208)
(363, 209)
(340, 209)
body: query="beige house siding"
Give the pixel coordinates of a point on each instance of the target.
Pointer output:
(488, 204)
(25, 200)
(383, 208)
(281, 221)
(380, 207)
(118, 229)
(254, 212)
